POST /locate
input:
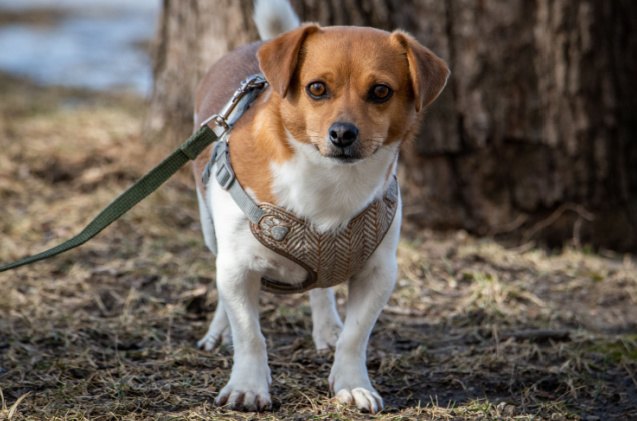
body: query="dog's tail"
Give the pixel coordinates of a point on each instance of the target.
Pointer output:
(274, 17)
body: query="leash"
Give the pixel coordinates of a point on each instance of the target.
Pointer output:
(150, 182)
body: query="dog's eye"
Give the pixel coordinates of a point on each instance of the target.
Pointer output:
(380, 93)
(317, 90)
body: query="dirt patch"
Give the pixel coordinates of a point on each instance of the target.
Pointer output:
(473, 331)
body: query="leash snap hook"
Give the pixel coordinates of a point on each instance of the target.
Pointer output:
(253, 83)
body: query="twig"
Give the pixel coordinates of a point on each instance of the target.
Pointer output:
(509, 226)
(630, 373)
(557, 214)
(14, 407)
(403, 311)
(538, 335)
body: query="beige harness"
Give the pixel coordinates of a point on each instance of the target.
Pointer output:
(329, 258)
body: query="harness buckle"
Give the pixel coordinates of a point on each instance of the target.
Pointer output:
(224, 174)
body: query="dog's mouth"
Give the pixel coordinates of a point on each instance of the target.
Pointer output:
(352, 154)
(345, 155)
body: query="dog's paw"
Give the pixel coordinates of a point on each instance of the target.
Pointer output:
(245, 397)
(367, 400)
(215, 338)
(326, 335)
(352, 387)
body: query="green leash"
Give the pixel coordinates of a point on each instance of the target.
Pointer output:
(250, 88)
(189, 150)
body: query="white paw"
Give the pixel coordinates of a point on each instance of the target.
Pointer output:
(245, 396)
(326, 334)
(213, 339)
(367, 400)
(350, 384)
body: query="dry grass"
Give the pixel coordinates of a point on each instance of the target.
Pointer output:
(473, 331)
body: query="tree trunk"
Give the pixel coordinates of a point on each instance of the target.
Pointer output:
(534, 136)
(192, 36)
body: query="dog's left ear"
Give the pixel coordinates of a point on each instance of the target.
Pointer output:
(428, 72)
(279, 57)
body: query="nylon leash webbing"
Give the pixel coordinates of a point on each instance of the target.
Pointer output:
(129, 198)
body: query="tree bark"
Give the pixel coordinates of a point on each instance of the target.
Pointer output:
(192, 35)
(535, 136)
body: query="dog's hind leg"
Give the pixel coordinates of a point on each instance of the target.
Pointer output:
(326, 323)
(218, 331)
(207, 225)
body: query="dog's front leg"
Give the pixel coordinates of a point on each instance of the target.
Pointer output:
(248, 387)
(368, 292)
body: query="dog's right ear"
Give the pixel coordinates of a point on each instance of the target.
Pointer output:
(279, 57)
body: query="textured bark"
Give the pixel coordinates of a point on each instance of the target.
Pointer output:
(535, 136)
(192, 35)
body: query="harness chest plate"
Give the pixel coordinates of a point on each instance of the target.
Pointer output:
(329, 258)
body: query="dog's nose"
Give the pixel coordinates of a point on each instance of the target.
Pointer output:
(343, 134)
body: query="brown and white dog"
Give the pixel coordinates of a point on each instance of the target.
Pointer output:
(321, 141)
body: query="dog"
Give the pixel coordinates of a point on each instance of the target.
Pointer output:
(321, 142)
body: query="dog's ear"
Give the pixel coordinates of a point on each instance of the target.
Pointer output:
(428, 72)
(279, 57)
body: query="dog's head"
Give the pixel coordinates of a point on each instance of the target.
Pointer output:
(350, 90)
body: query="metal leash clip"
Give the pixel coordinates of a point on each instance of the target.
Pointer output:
(252, 85)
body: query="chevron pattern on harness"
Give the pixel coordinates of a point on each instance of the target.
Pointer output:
(332, 257)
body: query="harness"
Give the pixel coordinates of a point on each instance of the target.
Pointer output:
(329, 258)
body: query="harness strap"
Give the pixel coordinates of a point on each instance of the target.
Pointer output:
(225, 176)
(220, 155)
(228, 181)
(133, 195)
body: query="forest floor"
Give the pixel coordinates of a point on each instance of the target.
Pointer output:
(474, 330)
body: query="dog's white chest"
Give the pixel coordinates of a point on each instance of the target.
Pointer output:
(329, 194)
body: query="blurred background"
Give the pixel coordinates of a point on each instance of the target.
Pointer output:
(533, 143)
(97, 44)
(534, 138)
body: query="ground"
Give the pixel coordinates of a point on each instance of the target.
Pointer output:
(474, 330)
